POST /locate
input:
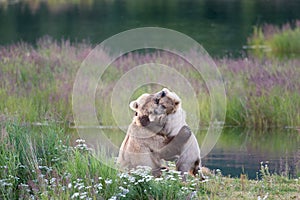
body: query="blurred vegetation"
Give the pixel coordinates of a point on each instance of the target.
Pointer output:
(37, 82)
(53, 5)
(270, 40)
(221, 27)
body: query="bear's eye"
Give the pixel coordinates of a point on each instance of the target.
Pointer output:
(156, 101)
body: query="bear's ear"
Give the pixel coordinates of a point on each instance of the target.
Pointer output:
(133, 105)
(166, 90)
(173, 96)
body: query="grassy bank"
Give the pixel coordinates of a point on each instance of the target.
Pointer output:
(269, 40)
(40, 163)
(36, 85)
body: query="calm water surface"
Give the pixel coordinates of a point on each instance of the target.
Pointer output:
(221, 26)
(237, 151)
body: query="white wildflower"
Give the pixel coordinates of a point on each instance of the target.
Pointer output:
(75, 195)
(80, 187)
(55, 159)
(52, 180)
(141, 180)
(174, 172)
(170, 176)
(23, 185)
(193, 194)
(148, 179)
(79, 140)
(113, 198)
(108, 181)
(123, 175)
(131, 179)
(125, 191)
(83, 195)
(184, 188)
(98, 186)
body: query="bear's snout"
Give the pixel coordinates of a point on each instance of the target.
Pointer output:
(144, 120)
(163, 94)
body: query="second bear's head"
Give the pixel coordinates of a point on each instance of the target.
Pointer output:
(152, 107)
(168, 102)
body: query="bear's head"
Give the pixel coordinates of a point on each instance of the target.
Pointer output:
(144, 106)
(167, 102)
(152, 109)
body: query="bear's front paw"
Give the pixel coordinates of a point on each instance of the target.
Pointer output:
(168, 140)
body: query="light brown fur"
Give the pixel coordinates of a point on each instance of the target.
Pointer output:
(144, 144)
(139, 141)
(189, 159)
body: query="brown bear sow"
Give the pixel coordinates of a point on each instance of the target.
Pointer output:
(140, 142)
(169, 104)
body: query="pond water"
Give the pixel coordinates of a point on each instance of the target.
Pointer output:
(242, 151)
(237, 151)
(222, 27)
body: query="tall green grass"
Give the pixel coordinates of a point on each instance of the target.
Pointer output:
(37, 83)
(38, 162)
